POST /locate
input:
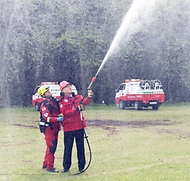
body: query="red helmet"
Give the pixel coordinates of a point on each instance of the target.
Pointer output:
(63, 84)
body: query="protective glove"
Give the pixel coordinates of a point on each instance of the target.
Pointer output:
(60, 118)
(80, 107)
(90, 93)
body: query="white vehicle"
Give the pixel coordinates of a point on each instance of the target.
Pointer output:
(139, 93)
(54, 89)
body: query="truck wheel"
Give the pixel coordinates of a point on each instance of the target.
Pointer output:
(121, 104)
(37, 106)
(155, 107)
(137, 105)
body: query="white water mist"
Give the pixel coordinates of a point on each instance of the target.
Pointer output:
(140, 13)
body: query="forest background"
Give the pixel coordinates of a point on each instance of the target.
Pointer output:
(55, 40)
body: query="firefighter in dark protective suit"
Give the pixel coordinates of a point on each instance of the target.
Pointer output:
(50, 126)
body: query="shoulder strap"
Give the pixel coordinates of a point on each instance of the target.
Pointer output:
(51, 107)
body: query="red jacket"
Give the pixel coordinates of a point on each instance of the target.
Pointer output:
(50, 111)
(74, 120)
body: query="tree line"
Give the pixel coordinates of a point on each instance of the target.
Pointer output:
(45, 40)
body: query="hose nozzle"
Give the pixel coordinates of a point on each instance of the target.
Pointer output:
(92, 81)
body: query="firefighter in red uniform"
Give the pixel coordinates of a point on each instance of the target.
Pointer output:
(50, 126)
(74, 124)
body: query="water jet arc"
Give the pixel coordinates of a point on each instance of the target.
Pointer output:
(140, 12)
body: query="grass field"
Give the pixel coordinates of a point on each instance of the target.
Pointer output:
(127, 145)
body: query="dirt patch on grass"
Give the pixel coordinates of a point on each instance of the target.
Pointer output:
(111, 125)
(133, 124)
(26, 126)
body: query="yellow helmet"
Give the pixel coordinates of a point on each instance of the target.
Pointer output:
(42, 90)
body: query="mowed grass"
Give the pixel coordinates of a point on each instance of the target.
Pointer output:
(151, 146)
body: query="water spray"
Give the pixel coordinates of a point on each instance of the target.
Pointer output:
(140, 12)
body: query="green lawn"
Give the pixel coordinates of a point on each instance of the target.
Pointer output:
(150, 146)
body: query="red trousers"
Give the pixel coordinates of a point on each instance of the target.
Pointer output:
(51, 137)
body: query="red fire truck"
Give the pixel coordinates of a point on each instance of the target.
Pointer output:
(139, 93)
